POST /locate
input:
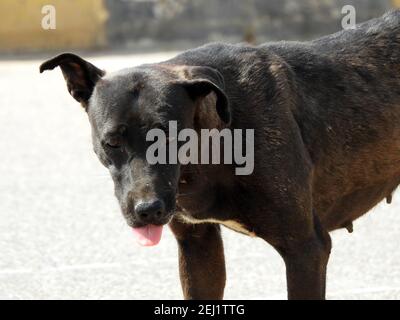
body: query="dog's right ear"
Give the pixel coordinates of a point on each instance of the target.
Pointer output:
(80, 75)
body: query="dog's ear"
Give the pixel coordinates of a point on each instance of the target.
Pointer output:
(201, 81)
(80, 75)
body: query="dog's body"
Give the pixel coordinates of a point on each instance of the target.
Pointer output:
(326, 116)
(337, 99)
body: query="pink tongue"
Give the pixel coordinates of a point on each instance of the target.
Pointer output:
(149, 235)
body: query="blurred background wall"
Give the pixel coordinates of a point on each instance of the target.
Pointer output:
(141, 24)
(79, 24)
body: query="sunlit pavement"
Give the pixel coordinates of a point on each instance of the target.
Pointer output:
(62, 236)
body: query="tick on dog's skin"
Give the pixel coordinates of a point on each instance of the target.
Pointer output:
(326, 116)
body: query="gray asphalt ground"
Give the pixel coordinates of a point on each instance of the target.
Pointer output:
(62, 236)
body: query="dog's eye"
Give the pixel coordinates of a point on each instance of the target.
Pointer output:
(114, 142)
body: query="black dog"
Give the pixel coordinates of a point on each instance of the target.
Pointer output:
(326, 116)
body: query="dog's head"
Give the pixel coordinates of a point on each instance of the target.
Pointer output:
(123, 106)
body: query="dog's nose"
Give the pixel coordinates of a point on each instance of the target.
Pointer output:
(151, 212)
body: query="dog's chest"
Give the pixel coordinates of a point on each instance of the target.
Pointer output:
(230, 224)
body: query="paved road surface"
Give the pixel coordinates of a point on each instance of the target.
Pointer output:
(62, 236)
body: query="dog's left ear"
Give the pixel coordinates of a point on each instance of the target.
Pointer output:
(80, 75)
(201, 81)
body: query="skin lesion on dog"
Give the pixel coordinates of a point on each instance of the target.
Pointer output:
(326, 149)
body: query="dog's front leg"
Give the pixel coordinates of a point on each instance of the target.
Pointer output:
(306, 259)
(201, 259)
